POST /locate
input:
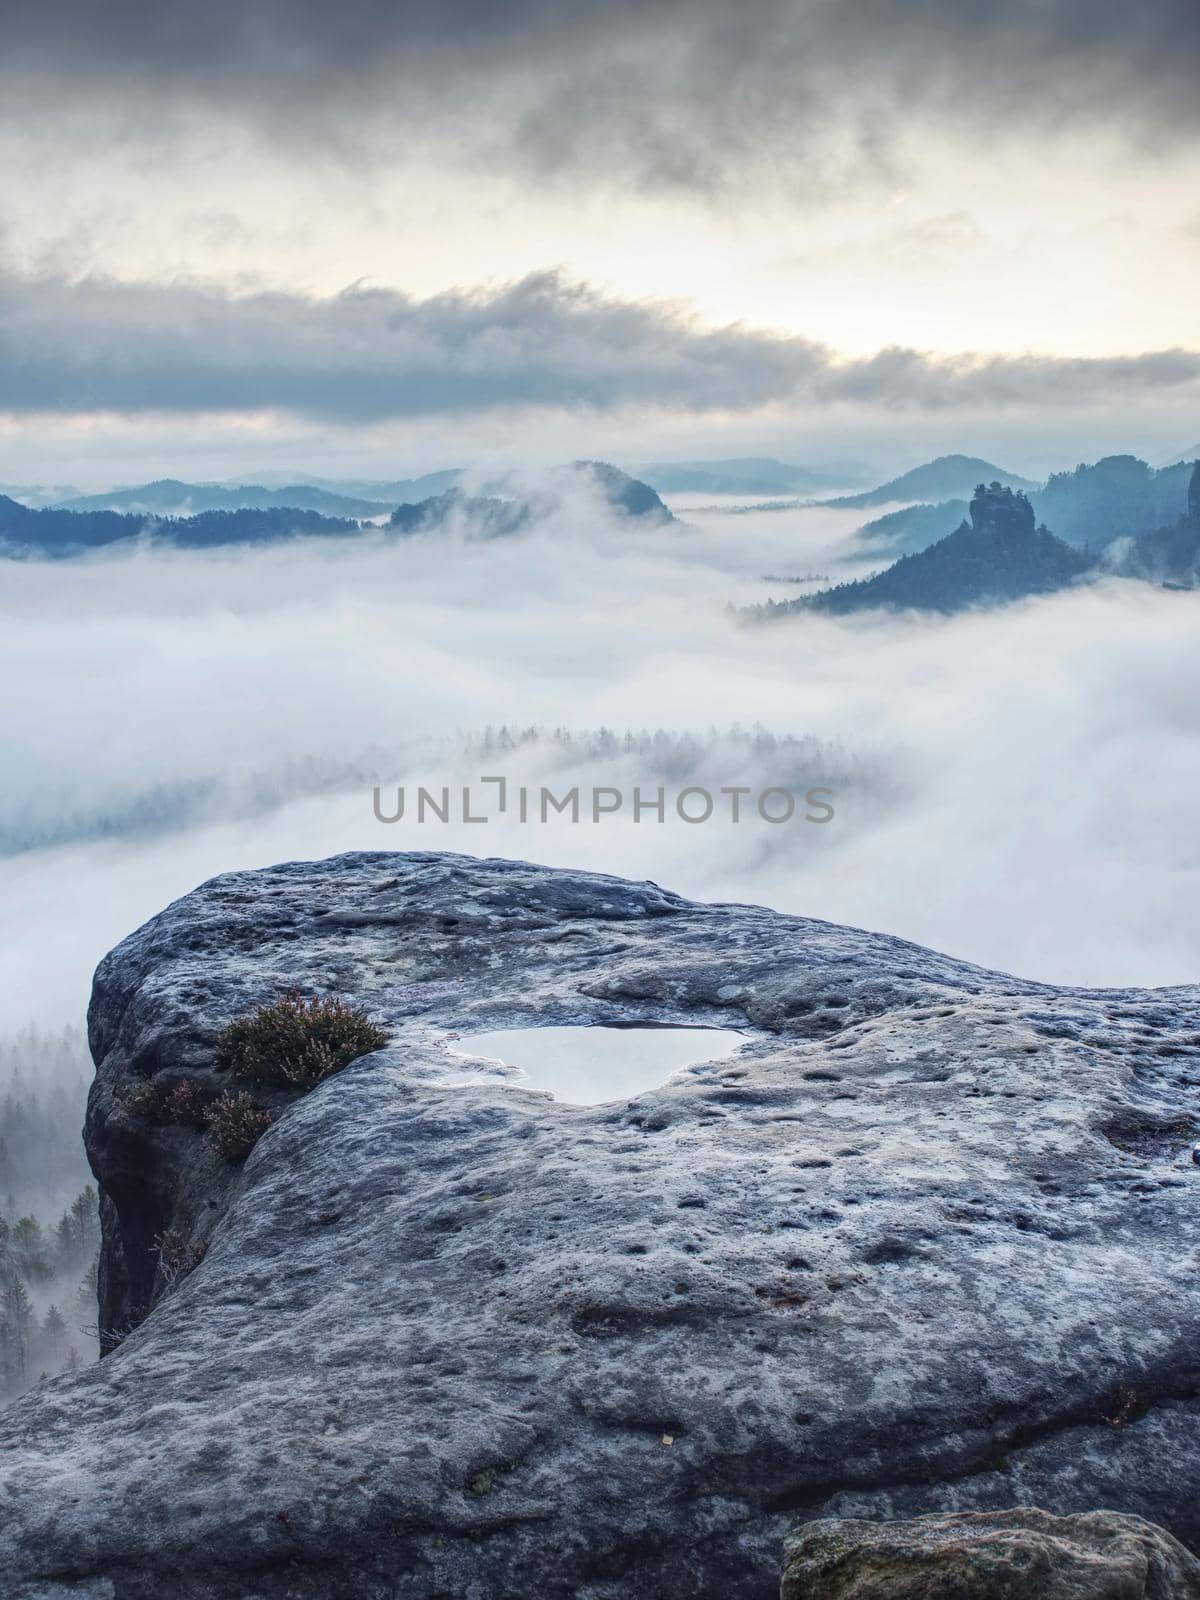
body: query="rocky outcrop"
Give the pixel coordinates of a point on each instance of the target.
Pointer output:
(1005, 1555)
(928, 1244)
(999, 556)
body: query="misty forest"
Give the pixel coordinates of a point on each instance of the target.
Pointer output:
(49, 1226)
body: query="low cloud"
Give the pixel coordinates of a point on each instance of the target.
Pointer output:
(368, 355)
(984, 797)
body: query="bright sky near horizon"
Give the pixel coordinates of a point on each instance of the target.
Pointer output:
(548, 223)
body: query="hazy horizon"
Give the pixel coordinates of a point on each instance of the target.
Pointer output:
(872, 459)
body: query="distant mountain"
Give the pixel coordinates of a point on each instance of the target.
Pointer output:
(168, 497)
(1116, 497)
(912, 528)
(623, 493)
(48, 532)
(53, 532)
(486, 516)
(59, 532)
(494, 516)
(389, 491)
(1091, 506)
(947, 478)
(998, 556)
(1168, 555)
(742, 475)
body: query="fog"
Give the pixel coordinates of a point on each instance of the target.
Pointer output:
(1016, 787)
(49, 1224)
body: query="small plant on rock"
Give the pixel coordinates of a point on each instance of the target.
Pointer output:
(142, 1099)
(175, 1260)
(183, 1104)
(295, 1043)
(161, 1103)
(235, 1123)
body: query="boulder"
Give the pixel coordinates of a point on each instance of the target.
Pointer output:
(928, 1244)
(1000, 1555)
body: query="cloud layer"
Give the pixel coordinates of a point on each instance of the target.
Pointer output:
(669, 94)
(373, 354)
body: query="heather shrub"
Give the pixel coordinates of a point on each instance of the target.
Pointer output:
(183, 1104)
(161, 1103)
(235, 1123)
(143, 1099)
(297, 1042)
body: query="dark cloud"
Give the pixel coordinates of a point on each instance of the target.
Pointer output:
(682, 94)
(545, 342)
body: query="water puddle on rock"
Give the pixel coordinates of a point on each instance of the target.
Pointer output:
(590, 1066)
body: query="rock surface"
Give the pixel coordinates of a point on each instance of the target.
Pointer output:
(1002, 1555)
(929, 1243)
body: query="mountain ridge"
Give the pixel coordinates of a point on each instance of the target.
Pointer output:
(1088, 506)
(492, 516)
(52, 533)
(944, 478)
(998, 555)
(171, 497)
(59, 533)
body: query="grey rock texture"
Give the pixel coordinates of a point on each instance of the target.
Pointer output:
(1000, 1555)
(929, 1243)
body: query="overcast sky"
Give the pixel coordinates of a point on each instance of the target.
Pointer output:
(401, 235)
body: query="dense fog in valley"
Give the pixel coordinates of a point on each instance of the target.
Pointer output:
(212, 710)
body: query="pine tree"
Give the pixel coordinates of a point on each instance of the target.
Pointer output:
(83, 1209)
(16, 1314)
(54, 1328)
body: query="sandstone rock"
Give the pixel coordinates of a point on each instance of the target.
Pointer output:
(1001, 1555)
(928, 1244)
